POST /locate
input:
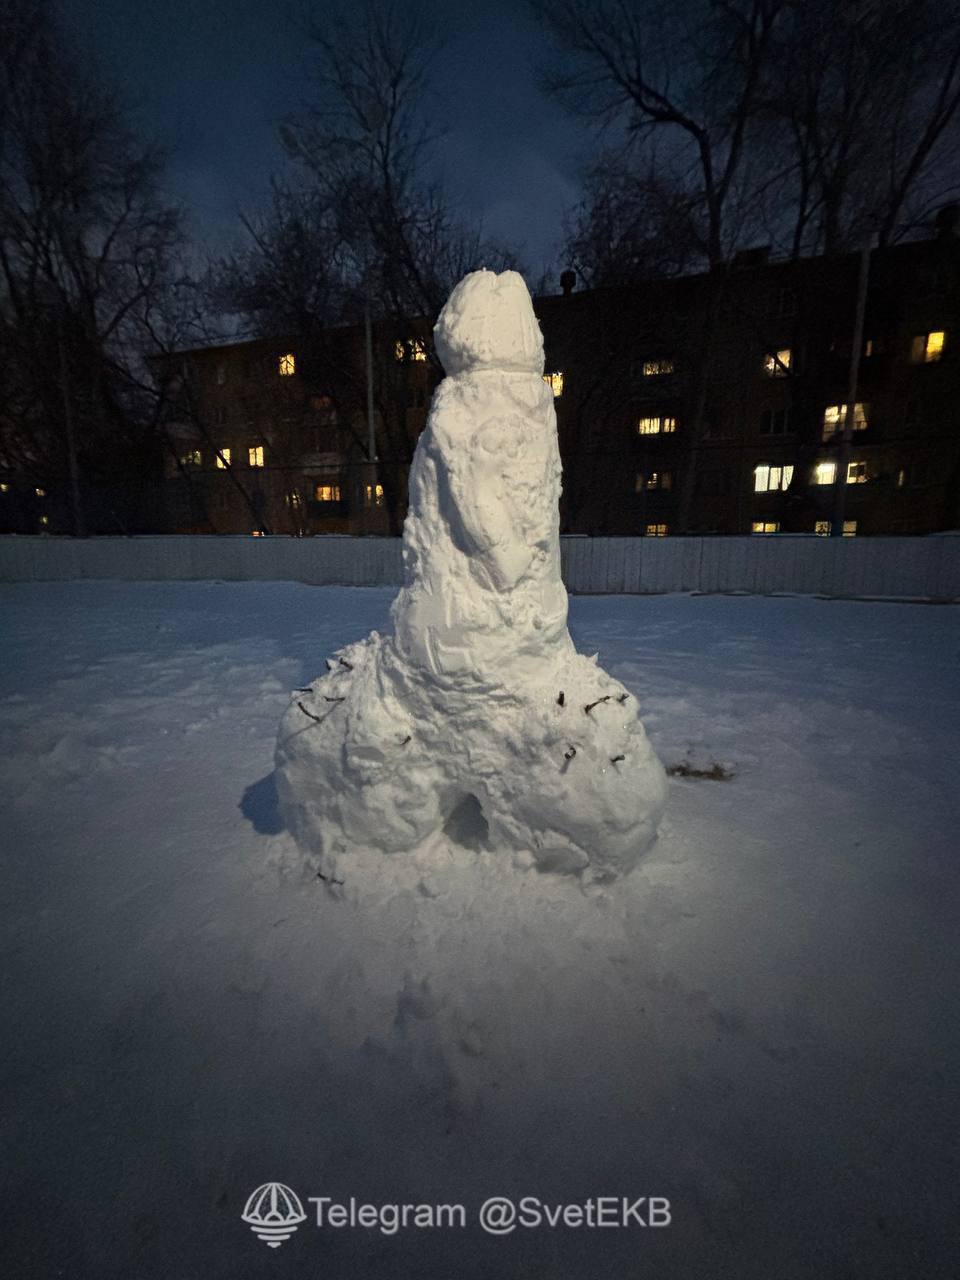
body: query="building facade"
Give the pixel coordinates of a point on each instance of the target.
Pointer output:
(691, 405)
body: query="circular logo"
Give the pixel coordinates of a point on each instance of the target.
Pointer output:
(273, 1213)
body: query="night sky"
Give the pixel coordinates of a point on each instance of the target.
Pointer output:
(212, 79)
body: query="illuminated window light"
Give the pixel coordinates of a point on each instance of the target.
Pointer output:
(4, 488)
(928, 347)
(256, 533)
(555, 382)
(656, 425)
(654, 368)
(374, 495)
(834, 414)
(777, 363)
(766, 526)
(223, 459)
(294, 500)
(41, 493)
(327, 493)
(656, 530)
(44, 520)
(255, 455)
(287, 365)
(767, 478)
(857, 473)
(825, 473)
(412, 349)
(822, 528)
(192, 459)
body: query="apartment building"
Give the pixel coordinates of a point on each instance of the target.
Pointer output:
(688, 405)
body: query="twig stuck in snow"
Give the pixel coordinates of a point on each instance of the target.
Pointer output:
(590, 705)
(309, 713)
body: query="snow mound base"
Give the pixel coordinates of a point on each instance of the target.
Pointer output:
(477, 709)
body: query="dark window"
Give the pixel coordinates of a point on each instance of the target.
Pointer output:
(774, 422)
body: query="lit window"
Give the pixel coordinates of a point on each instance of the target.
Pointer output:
(287, 365)
(655, 368)
(555, 382)
(398, 351)
(660, 480)
(654, 426)
(901, 478)
(192, 459)
(833, 418)
(766, 478)
(256, 533)
(417, 350)
(4, 488)
(656, 530)
(255, 455)
(777, 363)
(849, 528)
(294, 500)
(927, 347)
(327, 493)
(825, 473)
(822, 528)
(766, 526)
(857, 473)
(44, 520)
(41, 493)
(223, 459)
(374, 495)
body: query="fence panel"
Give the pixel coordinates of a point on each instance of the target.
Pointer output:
(927, 568)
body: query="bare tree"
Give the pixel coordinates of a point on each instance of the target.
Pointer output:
(360, 227)
(684, 84)
(86, 242)
(866, 96)
(630, 227)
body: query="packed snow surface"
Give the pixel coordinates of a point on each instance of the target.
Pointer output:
(758, 1022)
(478, 703)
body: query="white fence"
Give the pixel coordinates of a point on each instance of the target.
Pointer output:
(927, 568)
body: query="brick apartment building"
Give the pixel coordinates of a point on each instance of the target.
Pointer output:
(672, 393)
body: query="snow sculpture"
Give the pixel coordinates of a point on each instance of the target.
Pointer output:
(479, 695)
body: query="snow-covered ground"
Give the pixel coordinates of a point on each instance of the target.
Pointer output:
(760, 1023)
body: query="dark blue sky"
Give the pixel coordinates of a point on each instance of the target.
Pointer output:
(212, 77)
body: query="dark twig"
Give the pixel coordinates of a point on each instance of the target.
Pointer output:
(406, 739)
(560, 699)
(616, 759)
(328, 879)
(319, 719)
(326, 699)
(568, 755)
(345, 663)
(623, 697)
(590, 705)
